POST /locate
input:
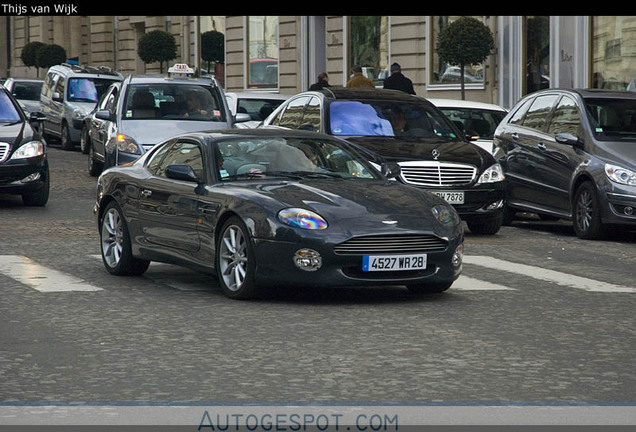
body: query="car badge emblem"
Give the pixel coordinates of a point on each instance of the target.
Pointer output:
(435, 154)
(389, 222)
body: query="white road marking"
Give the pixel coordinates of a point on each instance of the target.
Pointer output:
(39, 277)
(552, 276)
(465, 283)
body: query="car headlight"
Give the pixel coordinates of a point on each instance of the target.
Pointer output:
(302, 218)
(445, 214)
(493, 174)
(620, 175)
(30, 149)
(79, 114)
(126, 144)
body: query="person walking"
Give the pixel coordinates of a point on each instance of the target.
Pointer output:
(323, 81)
(397, 81)
(359, 80)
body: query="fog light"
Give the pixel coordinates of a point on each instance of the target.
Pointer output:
(29, 178)
(495, 205)
(307, 259)
(628, 210)
(458, 256)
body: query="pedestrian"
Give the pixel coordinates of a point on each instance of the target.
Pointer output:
(359, 80)
(397, 81)
(323, 81)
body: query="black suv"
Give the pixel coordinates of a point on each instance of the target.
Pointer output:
(24, 167)
(571, 154)
(397, 127)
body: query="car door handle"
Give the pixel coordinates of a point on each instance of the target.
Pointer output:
(541, 146)
(515, 136)
(145, 193)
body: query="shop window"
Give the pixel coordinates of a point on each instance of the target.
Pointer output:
(537, 53)
(262, 52)
(613, 53)
(445, 74)
(368, 46)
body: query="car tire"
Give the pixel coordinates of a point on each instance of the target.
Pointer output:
(65, 138)
(485, 226)
(85, 140)
(509, 215)
(586, 213)
(115, 244)
(433, 288)
(235, 262)
(41, 197)
(94, 166)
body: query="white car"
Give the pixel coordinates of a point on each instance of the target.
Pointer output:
(476, 119)
(257, 104)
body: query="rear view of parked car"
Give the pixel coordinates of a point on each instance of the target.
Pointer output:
(571, 154)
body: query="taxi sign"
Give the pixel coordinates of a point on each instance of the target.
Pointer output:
(180, 70)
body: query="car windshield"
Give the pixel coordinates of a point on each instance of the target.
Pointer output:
(169, 101)
(27, 90)
(257, 157)
(475, 121)
(87, 89)
(8, 111)
(612, 119)
(387, 118)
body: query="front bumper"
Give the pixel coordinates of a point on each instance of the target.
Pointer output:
(23, 176)
(619, 205)
(276, 267)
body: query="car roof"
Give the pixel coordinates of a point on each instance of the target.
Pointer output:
(257, 95)
(587, 93)
(261, 132)
(366, 94)
(87, 71)
(454, 103)
(148, 79)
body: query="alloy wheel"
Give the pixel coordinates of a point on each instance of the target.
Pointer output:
(112, 237)
(233, 258)
(584, 210)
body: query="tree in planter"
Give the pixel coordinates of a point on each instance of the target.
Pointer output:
(465, 41)
(29, 55)
(157, 46)
(50, 55)
(212, 47)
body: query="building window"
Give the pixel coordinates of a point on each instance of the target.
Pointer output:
(444, 74)
(262, 52)
(537, 53)
(614, 52)
(368, 46)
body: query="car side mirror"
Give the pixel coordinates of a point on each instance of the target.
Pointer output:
(105, 115)
(569, 139)
(390, 169)
(242, 117)
(182, 172)
(57, 97)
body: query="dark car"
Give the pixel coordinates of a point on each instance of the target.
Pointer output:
(24, 167)
(134, 115)
(397, 127)
(571, 154)
(284, 208)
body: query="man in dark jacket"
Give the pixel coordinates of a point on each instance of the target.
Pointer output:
(397, 81)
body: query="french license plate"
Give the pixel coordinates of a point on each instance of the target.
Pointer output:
(393, 262)
(451, 197)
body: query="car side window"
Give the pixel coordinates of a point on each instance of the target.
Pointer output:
(181, 153)
(538, 112)
(293, 113)
(518, 115)
(311, 118)
(566, 118)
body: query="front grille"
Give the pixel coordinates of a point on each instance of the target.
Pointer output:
(4, 151)
(433, 173)
(389, 244)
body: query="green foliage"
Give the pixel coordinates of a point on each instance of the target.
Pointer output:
(29, 53)
(50, 55)
(157, 46)
(465, 41)
(213, 47)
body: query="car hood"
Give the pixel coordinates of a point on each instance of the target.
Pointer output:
(619, 153)
(151, 132)
(361, 204)
(84, 107)
(13, 132)
(402, 149)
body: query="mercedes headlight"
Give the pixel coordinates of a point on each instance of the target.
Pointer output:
(29, 149)
(493, 174)
(302, 218)
(620, 175)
